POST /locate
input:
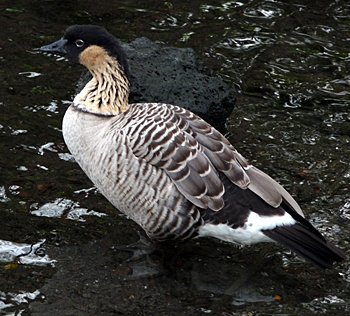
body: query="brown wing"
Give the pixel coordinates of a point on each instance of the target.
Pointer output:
(226, 159)
(189, 150)
(192, 153)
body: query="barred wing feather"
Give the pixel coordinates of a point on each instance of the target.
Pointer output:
(192, 153)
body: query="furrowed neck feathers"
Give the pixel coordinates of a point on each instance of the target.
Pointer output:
(108, 91)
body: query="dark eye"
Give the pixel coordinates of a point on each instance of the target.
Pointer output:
(79, 43)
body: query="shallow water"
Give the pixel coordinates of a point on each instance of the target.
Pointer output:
(62, 246)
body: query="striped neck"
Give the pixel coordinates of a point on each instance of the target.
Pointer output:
(108, 91)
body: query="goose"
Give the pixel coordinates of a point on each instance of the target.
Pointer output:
(167, 169)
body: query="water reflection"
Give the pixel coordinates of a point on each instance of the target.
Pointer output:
(30, 74)
(319, 305)
(3, 197)
(345, 210)
(24, 253)
(52, 107)
(226, 6)
(63, 208)
(17, 132)
(16, 299)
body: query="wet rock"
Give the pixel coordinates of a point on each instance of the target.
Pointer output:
(176, 76)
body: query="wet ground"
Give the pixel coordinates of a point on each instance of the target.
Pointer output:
(62, 245)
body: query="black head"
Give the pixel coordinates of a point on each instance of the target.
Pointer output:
(78, 37)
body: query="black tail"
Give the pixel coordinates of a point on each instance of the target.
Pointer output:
(303, 241)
